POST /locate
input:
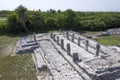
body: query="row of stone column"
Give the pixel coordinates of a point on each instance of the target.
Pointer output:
(68, 50)
(97, 47)
(67, 35)
(79, 39)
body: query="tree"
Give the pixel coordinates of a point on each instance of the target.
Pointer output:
(70, 19)
(51, 24)
(12, 24)
(51, 11)
(38, 23)
(22, 16)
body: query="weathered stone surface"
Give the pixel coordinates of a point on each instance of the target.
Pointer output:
(60, 31)
(68, 49)
(73, 37)
(70, 61)
(26, 45)
(51, 35)
(104, 52)
(54, 37)
(75, 57)
(115, 48)
(87, 44)
(79, 39)
(103, 34)
(58, 66)
(62, 43)
(40, 64)
(97, 49)
(34, 37)
(63, 33)
(114, 31)
(61, 64)
(58, 40)
(67, 34)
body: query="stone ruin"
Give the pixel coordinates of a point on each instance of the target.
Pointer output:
(69, 56)
(26, 45)
(113, 32)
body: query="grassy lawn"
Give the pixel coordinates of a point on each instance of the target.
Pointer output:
(19, 67)
(7, 45)
(14, 67)
(109, 40)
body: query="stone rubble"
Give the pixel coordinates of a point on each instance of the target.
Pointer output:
(115, 48)
(115, 31)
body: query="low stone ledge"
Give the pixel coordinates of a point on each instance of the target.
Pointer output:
(40, 64)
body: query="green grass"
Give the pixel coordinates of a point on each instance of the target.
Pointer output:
(7, 39)
(7, 43)
(108, 40)
(19, 67)
(14, 67)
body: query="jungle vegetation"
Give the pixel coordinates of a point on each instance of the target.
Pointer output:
(22, 20)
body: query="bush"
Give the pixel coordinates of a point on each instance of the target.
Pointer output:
(3, 25)
(13, 26)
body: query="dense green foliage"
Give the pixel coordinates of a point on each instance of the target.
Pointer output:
(4, 13)
(3, 25)
(22, 20)
(22, 17)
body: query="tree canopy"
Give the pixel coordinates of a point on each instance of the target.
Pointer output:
(22, 16)
(22, 20)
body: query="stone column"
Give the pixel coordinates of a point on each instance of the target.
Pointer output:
(75, 57)
(68, 49)
(62, 43)
(73, 37)
(51, 35)
(34, 37)
(58, 40)
(97, 49)
(54, 37)
(67, 34)
(63, 33)
(87, 43)
(79, 39)
(60, 31)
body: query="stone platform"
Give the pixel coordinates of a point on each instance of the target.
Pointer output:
(69, 56)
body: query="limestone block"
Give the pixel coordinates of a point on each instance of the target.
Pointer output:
(75, 57)
(68, 49)
(62, 43)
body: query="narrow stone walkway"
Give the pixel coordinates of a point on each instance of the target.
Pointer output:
(60, 68)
